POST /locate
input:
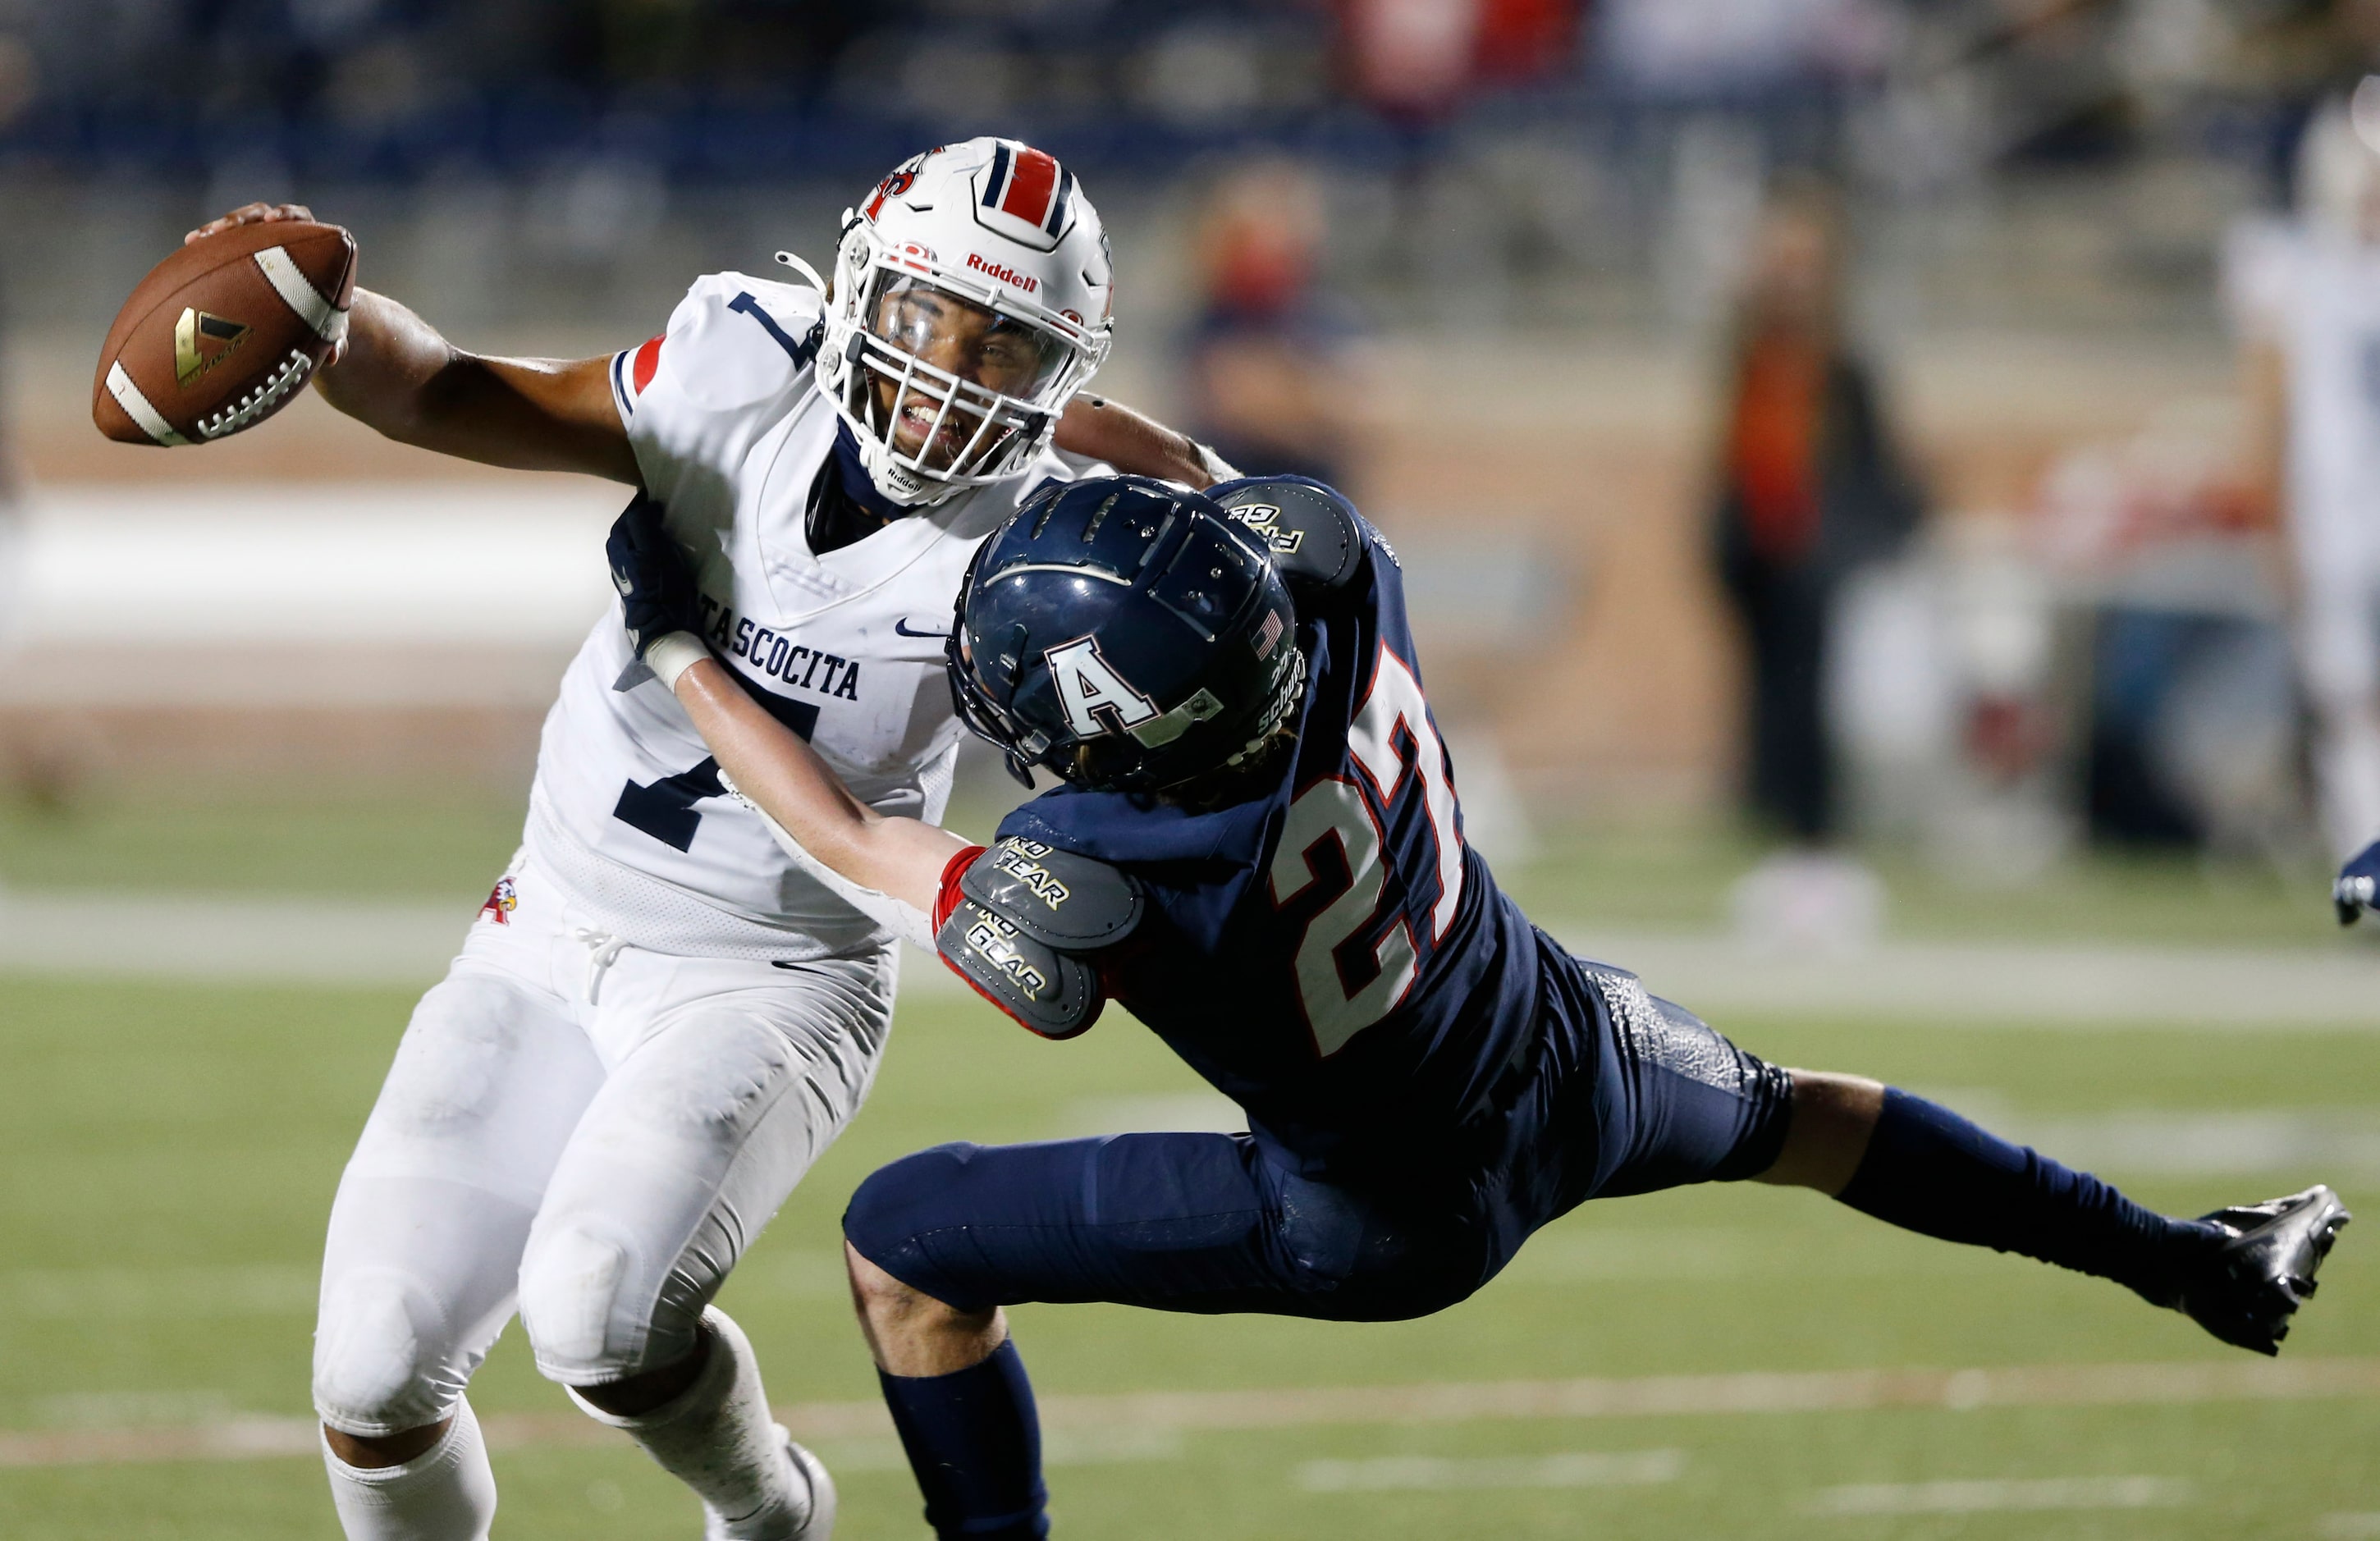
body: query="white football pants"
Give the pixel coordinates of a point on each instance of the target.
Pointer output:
(589, 1130)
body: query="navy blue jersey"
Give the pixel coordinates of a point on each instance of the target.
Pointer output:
(1329, 954)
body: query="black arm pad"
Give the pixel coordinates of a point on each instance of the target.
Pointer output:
(1312, 530)
(1054, 993)
(1026, 913)
(1056, 897)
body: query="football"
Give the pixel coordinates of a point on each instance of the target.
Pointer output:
(223, 333)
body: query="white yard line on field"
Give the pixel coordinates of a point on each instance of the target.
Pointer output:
(349, 942)
(1108, 1416)
(1060, 1446)
(1396, 1474)
(2017, 983)
(222, 939)
(2349, 1527)
(1989, 1495)
(185, 1293)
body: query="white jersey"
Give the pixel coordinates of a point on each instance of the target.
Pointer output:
(2317, 297)
(845, 648)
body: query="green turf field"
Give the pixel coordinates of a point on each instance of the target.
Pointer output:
(1660, 875)
(169, 1153)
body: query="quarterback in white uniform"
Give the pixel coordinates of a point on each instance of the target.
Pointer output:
(660, 1017)
(2305, 294)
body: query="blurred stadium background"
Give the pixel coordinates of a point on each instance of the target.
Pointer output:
(1501, 237)
(1494, 265)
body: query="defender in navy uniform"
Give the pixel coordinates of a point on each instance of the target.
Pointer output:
(1257, 851)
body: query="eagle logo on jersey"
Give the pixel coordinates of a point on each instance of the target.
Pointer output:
(1088, 686)
(503, 900)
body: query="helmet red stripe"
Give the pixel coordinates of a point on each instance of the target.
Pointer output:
(1030, 187)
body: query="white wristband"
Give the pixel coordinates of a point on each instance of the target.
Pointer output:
(1215, 465)
(673, 656)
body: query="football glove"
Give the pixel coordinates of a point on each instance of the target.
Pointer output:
(659, 604)
(2357, 882)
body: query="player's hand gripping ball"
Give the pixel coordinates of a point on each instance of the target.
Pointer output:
(2359, 881)
(226, 332)
(657, 594)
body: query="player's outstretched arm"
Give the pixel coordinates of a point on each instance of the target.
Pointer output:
(1099, 429)
(785, 778)
(402, 378)
(888, 868)
(397, 373)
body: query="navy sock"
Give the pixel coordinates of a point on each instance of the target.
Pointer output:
(974, 1442)
(1929, 1170)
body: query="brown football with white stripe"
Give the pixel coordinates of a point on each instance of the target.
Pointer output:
(224, 333)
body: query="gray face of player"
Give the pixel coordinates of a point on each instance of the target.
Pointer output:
(969, 345)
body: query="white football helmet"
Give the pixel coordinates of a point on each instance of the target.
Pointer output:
(971, 298)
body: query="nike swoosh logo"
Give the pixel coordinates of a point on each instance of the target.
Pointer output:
(901, 628)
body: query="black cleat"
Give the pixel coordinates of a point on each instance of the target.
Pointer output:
(2254, 1282)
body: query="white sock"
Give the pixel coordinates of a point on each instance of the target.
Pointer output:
(446, 1493)
(718, 1439)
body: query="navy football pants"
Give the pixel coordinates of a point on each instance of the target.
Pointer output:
(1630, 1094)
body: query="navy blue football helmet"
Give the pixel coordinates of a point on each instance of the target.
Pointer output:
(1125, 635)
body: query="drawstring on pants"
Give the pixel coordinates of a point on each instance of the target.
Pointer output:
(603, 949)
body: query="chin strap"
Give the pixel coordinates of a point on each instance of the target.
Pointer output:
(795, 263)
(872, 461)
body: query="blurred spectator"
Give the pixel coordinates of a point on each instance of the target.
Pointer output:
(2060, 87)
(2159, 547)
(1268, 372)
(2297, 60)
(1419, 58)
(1810, 485)
(19, 772)
(2306, 294)
(1711, 49)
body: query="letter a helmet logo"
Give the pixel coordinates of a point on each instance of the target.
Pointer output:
(1088, 684)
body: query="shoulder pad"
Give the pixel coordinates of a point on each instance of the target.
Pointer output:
(790, 305)
(1057, 898)
(1313, 532)
(1052, 993)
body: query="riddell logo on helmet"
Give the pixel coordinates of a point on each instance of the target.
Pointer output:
(1025, 282)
